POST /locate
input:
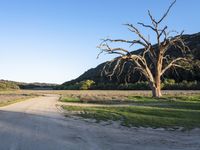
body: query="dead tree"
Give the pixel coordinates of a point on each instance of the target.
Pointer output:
(157, 54)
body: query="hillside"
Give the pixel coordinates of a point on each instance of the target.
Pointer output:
(12, 85)
(8, 85)
(36, 86)
(192, 73)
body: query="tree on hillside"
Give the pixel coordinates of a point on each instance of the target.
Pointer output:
(154, 60)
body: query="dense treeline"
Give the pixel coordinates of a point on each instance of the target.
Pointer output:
(37, 86)
(168, 84)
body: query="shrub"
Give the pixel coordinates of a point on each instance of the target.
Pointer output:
(184, 85)
(86, 85)
(134, 86)
(169, 81)
(7, 85)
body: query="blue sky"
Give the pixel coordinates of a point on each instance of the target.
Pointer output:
(55, 40)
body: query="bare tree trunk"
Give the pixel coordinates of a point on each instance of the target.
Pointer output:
(158, 88)
(156, 92)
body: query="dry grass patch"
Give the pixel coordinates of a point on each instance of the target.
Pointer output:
(10, 97)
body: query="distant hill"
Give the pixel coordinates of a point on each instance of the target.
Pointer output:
(191, 74)
(9, 85)
(37, 86)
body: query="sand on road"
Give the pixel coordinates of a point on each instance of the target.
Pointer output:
(37, 124)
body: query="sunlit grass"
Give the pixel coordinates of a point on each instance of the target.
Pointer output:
(141, 116)
(170, 111)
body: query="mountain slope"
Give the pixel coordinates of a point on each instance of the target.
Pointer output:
(191, 74)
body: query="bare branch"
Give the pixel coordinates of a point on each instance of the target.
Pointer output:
(179, 66)
(166, 12)
(154, 22)
(115, 68)
(177, 42)
(172, 63)
(163, 32)
(108, 65)
(121, 69)
(135, 30)
(127, 41)
(106, 48)
(147, 26)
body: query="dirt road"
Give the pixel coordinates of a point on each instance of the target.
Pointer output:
(37, 124)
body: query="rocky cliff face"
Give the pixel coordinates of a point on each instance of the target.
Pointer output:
(190, 74)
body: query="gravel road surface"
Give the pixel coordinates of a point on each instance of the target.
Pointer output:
(37, 124)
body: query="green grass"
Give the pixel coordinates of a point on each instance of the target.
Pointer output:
(167, 112)
(186, 98)
(70, 99)
(141, 116)
(182, 102)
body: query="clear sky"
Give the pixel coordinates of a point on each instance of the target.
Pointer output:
(55, 40)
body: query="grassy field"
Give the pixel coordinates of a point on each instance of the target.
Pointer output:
(176, 109)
